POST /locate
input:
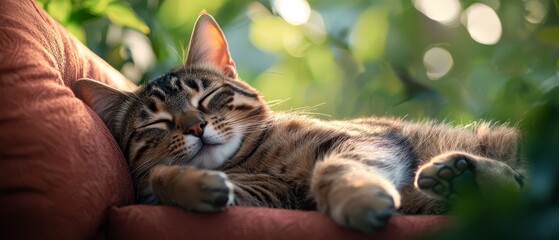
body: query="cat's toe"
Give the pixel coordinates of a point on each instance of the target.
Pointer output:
(426, 182)
(435, 186)
(370, 221)
(367, 213)
(445, 178)
(445, 173)
(461, 163)
(216, 191)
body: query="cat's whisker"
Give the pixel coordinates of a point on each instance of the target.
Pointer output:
(145, 166)
(308, 110)
(177, 159)
(314, 114)
(183, 50)
(276, 102)
(308, 107)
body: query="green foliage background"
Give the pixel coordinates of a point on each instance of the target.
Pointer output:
(359, 57)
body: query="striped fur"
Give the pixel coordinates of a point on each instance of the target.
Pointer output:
(200, 138)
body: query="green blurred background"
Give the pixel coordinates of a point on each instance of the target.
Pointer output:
(457, 61)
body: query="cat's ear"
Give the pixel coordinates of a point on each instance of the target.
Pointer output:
(208, 45)
(103, 99)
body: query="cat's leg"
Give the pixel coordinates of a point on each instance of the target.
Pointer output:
(448, 175)
(263, 190)
(354, 194)
(191, 188)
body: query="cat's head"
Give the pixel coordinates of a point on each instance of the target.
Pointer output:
(199, 113)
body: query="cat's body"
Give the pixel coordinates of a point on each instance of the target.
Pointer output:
(200, 138)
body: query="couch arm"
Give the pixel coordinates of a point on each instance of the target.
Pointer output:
(60, 169)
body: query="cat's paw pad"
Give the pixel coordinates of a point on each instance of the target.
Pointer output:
(366, 212)
(447, 178)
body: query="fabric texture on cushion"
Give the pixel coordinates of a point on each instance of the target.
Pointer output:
(60, 168)
(163, 222)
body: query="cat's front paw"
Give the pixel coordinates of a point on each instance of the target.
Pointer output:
(450, 175)
(365, 209)
(192, 188)
(444, 178)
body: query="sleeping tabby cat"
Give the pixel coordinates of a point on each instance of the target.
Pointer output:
(200, 138)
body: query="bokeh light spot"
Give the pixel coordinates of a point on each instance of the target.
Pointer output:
(483, 24)
(536, 11)
(295, 12)
(294, 43)
(315, 28)
(443, 11)
(438, 62)
(140, 49)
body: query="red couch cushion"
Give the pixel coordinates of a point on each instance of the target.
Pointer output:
(60, 169)
(162, 222)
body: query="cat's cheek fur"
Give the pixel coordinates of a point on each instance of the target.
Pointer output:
(192, 146)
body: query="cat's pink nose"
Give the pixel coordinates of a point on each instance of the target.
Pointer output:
(197, 129)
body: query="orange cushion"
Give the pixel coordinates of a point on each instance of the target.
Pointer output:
(60, 169)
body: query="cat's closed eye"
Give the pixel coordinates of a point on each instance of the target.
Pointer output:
(216, 100)
(157, 122)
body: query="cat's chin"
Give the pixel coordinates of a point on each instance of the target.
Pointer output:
(211, 156)
(207, 149)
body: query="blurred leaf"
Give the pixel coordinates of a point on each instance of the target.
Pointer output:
(267, 4)
(320, 58)
(81, 16)
(369, 34)
(549, 35)
(517, 92)
(59, 9)
(278, 83)
(97, 6)
(175, 14)
(41, 3)
(229, 10)
(267, 32)
(122, 14)
(77, 30)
